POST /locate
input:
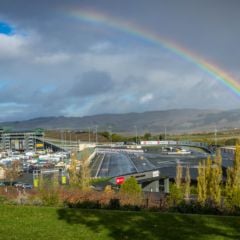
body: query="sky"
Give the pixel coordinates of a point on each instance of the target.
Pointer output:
(56, 62)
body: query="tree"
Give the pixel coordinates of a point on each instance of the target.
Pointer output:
(147, 136)
(131, 191)
(176, 189)
(79, 172)
(233, 180)
(84, 172)
(231, 142)
(13, 171)
(209, 180)
(201, 184)
(117, 138)
(106, 135)
(161, 137)
(216, 179)
(73, 170)
(178, 179)
(187, 183)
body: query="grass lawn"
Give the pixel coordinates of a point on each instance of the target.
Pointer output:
(18, 222)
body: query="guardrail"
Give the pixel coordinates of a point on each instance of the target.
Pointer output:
(117, 150)
(176, 143)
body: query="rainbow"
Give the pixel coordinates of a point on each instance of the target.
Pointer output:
(92, 16)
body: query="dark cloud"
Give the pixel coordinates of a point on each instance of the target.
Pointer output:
(92, 83)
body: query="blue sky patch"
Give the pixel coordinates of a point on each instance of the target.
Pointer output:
(6, 29)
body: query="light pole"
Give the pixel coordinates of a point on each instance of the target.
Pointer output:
(110, 132)
(76, 141)
(215, 135)
(136, 133)
(62, 137)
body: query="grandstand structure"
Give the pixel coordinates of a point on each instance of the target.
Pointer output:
(21, 140)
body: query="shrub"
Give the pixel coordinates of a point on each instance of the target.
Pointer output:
(194, 207)
(49, 197)
(85, 204)
(114, 203)
(130, 192)
(130, 207)
(175, 196)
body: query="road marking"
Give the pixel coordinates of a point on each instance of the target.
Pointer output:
(100, 165)
(130, 160)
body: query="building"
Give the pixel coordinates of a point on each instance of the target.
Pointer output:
(20, 140)
(228, 152)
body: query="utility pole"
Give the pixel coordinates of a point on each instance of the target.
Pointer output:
(165, 132)
(215, 135)
(65, 138)
(89, 135)
(96, 134)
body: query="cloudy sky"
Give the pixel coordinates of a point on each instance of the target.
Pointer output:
(76, 58)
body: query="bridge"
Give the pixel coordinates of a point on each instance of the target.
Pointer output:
(201, 145)
(150, 181)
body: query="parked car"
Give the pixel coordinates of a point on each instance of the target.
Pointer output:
(2, 184)
(18, 184)
(27, 186)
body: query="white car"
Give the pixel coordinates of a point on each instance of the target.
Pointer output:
(27, 186)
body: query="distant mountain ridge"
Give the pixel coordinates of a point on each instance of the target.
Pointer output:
(176, 120)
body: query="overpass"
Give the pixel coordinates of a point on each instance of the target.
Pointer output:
(150, 181)
(200, 145)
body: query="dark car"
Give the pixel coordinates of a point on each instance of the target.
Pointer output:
(2, 184)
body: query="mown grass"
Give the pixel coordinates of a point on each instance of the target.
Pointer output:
(26, 222)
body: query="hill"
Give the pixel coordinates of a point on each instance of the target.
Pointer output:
(183, 120)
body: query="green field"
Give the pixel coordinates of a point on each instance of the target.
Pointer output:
(17, 222)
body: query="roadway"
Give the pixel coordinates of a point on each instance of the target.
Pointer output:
(115, 163)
